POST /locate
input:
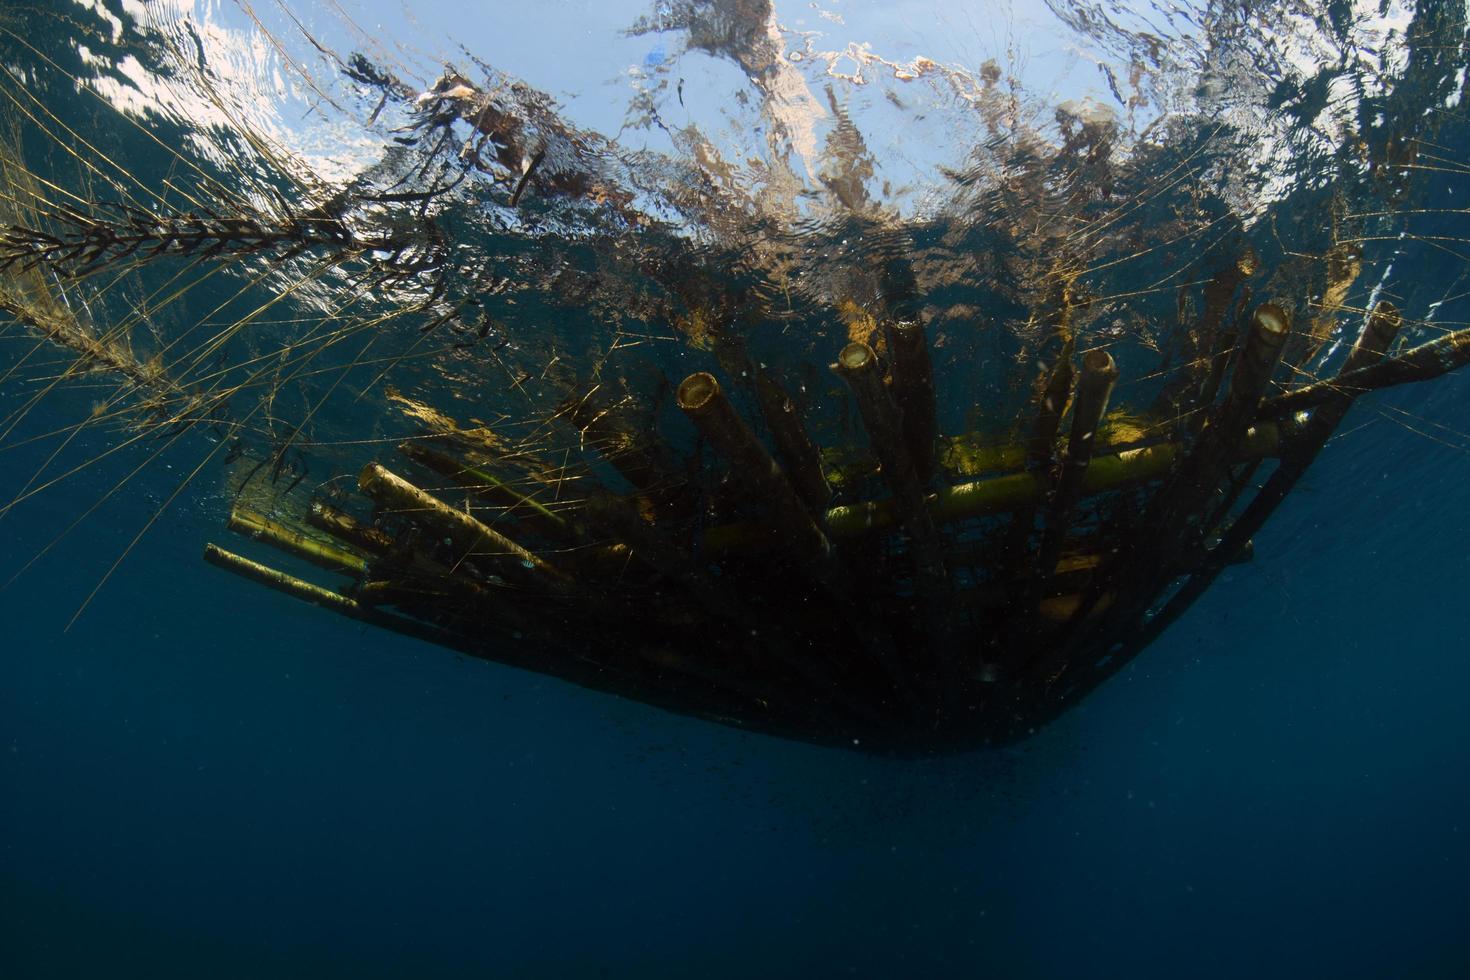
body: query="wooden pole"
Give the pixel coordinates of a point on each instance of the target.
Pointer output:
(1422, 363)
(524, 508)
(912, 384)
(323, 554)
(1099, 374)
(799, 454)
(858, 366)
(465, 533)
(700, 397)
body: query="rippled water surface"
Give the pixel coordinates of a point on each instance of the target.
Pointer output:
(247, 248)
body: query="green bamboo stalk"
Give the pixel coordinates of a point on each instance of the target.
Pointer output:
(492, 488)
(320, 553)
(467, 534)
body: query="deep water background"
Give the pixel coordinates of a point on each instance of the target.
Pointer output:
(204, 779)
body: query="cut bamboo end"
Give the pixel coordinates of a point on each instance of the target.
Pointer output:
(1271, 321)
(697, 392)
(701, 398)
(857, 357)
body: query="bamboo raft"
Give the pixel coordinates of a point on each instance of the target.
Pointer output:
(940, 616)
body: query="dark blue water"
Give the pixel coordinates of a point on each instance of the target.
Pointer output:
(205, 780)
(200, 779)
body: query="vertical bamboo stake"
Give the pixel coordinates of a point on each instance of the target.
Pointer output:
(799, 455)
(1050, 406)
(1373, 342)
(912, 385)
(858, 365)
(700, 398)
(1201, 471)
(1099, 374)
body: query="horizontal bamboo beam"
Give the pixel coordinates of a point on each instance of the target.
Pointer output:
(316, 595)
(345, 527)
(1423, 363)
(323, 554)
(469, 535)
(485, 484)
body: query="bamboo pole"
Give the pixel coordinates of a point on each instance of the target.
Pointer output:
(1099, 374)
(1000, 494)
(799, 455)
(1376, 337)
(912, 384)
(323, 554)
(858, 366)
(467, 534)
(638, 461)
(326, 598)
(523, 507)
(1423, 363)
(699, 397)
(1176, 516)
(345, 527)
(1051, 403)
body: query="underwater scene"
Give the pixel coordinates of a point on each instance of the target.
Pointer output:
(668, 488)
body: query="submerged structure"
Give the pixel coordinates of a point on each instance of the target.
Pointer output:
(745, 440)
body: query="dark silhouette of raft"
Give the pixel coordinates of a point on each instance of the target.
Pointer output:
(939, 616)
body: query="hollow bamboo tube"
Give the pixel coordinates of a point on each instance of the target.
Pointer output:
(464, 532)
(799, 455)
(638, 462)
(345, 527)
(1376, 337)
(1094, 387)
(323, 554)
(1050, 405)
(326, 598)
(1000, 494)
(699, 397)
(485, 484)
(1201, 471)
(1174, 528)
(912, 384)
(858, 366)
(1422, 363)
